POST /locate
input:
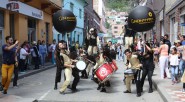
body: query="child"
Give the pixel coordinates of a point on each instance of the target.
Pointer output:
(174, 63)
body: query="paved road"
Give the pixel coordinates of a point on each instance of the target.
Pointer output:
(40, 87)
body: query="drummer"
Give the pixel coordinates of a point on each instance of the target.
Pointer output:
(68, 67)
(104, 56)
(135, 64)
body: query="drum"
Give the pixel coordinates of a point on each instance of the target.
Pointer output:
(113, 65)
(80, 65)
(104, 72)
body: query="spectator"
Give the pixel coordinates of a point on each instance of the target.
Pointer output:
(23, 55)
(35, 55)
(52, 48)
(43, 52)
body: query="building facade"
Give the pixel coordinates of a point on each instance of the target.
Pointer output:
(77, 7)
(99, 7)
(27, 20)
(91, 18)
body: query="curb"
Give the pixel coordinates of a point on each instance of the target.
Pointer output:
(158, 88)
(35, 72)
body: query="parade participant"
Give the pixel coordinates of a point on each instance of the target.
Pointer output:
(9, 58)
(104, 56)
(60, 65)
(128, 36)
(148, 67)
(112, 50)
(68, 66)
(135, 64)
(93, 40)
(82, 54)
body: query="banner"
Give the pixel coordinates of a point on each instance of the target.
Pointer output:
(17, 6)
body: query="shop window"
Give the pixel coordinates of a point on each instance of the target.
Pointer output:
(115, 31)
(115, 27)
(31, 23)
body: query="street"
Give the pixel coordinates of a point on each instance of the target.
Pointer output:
(40, 87)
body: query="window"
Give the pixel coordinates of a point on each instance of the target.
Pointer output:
(71, 6)
(115, 27)
(115, 31)
(80, 13)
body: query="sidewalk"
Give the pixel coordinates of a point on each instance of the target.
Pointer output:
(168, 92)
(48, 65)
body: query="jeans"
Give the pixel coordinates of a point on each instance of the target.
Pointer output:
(43, 57)
(22, 65)
(36, 62)
(149, 73)
(181, 66)
(16, 71)
(174, 72)
(52, 58)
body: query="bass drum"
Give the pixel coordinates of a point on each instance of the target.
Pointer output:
(80, 65)
(104, 72)
(113, 65)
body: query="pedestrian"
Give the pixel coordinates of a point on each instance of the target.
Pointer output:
(35, 55)
(174, 63)
(136, 65)
(9, 59)
(148, 67)
(22, 60)
(163, 60)
(43, 52)
(52, 48)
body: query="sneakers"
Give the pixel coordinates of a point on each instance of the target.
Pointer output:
(126, 91)
(15, 87)
(138, 94)
(103, 90)
(150, 90)
(4, 92)
(183, 90)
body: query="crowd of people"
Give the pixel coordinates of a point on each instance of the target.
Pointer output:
(141, 56)
(17, 58)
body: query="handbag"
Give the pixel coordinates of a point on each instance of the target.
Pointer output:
(130, 71)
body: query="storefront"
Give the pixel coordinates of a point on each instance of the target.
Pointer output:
(27, 20)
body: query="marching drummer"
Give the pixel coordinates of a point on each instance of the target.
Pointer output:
(103, 57)
(135, 64)
(68, 67)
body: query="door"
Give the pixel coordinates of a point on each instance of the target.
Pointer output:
(31, 34)
(1, 43)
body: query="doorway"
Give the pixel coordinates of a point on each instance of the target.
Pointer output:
(31, 34)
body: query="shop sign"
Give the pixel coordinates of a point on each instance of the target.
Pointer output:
(17, 6)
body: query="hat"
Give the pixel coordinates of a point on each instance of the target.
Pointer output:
(92, 29)
(34, 42)
(177, 41)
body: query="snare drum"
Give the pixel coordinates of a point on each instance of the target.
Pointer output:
(80, 65)
(104, 72)
(113, 65)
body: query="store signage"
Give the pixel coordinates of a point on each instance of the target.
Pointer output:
(17, 6)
